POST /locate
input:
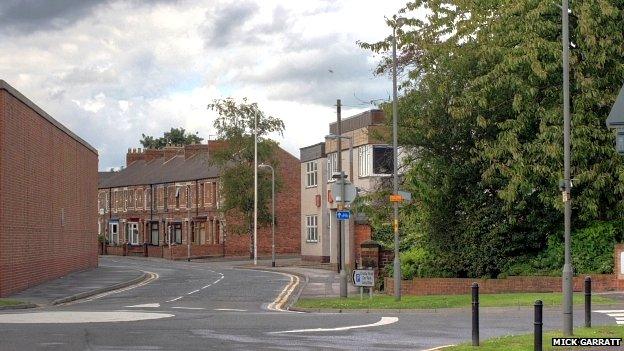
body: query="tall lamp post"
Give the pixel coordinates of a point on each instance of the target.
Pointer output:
(255, 229)
(341, 252)
(272, 212)
(567, 196)
(395, 178)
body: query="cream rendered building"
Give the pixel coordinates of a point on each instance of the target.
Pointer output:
(369, 160)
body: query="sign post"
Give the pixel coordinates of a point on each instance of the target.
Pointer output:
(364, 278)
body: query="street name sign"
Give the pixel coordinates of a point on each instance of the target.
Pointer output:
(343, 215)
(363, 277)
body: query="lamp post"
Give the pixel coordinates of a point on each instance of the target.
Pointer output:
(395, 179)
(188, 227)
(567, 196)
(255, 215)
(343, 273)
(272, 213)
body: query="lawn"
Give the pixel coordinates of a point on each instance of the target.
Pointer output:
(525, 342)
(7, 302)
(444, 301)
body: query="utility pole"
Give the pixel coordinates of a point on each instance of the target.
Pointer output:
(395, 181)
(255, 231)
(341, 251)
(188, 223)
(567, 196)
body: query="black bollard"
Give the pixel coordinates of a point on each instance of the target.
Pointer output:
(587, 302)
(475, 314)
(537, 326)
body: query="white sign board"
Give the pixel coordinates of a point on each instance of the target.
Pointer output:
(621, 262)
(363, 277)
(350, 191)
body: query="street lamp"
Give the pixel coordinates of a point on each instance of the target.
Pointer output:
(272, 213)
(395, 179)
(341, 237)
(255, 233)
(567, 196)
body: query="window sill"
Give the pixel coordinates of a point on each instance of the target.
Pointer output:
(312, 241)
(311, 186)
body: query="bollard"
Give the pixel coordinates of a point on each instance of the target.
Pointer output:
(537, 326)
(588, 302)
(475, 314)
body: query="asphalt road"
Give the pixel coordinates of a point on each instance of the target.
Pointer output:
(207, 306)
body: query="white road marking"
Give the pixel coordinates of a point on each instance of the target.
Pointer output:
(152, 276)
(149, 305)
(202, 288)
(230, 309)
(192, 292)
(189, 308)
(617, 314)
(382, 321)
(439, 347)
(176, 299)
(57, 317)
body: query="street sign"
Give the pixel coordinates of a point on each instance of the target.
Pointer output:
(396, 198)
(350, 191)
(343, 215)
(363, 277)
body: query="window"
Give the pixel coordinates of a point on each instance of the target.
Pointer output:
(188, 197)
(177, 198)
(311, 174)
(114, 233)
(375, 160)
(332, 165)
(133, 232)
(147, 197)
(312, 228)
(125, 200)
(201, 195)
(177, 233)
(154, 233)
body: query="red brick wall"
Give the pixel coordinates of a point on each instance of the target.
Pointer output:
(458, 286)
(43, 173)
(361, 233)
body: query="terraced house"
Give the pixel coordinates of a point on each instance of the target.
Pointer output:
(165, 203)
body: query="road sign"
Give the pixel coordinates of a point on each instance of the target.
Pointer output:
(343, 215)
(350, 191)
(396, 198)
(363, 277)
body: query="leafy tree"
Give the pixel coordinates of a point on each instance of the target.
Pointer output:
(235, 125)
(175, 136)
(481, 104)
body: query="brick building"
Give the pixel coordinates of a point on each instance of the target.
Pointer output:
(365, 159)
(164, 200)
(48, 188)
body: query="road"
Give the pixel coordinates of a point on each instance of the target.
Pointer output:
(207, 306)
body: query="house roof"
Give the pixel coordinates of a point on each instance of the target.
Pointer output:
(161, 170)
(15, 93)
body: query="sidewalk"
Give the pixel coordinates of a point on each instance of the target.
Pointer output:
(80, 285)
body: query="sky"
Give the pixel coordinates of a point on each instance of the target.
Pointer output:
(113, 70)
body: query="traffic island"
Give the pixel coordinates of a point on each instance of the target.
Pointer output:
(384, 302)
(8, 304)
(525, 342)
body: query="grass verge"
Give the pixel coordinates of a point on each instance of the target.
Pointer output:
(444, 301)
(525, 342)
(7, 302)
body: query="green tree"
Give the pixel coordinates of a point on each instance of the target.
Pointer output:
(235, 125)
(175, 136)
(481, 105)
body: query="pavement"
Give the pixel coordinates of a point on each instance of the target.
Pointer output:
(218, 305)
(80, 285)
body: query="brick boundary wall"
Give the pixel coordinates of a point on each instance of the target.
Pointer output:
(461, 286)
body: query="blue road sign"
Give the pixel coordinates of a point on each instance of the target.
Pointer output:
(343, 215)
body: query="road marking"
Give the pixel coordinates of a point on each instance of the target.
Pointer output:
(230, 309)
(202, 288)
(439, 347)
(617, 314)
(149, 305)
(152, 276)
(189, 308)
(282, 298)
(176, 299)
(192, 292)
(381, 322)
(56, 317)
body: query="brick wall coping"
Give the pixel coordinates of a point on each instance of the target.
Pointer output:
(8, 88)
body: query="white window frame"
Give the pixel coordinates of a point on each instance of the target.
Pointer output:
(332, 166)
(311, 174)
(372, 160)
(365, 160)
(312, 229)
(114, 234)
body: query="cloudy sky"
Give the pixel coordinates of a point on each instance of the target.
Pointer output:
(111, 70)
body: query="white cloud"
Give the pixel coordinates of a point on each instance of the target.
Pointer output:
(113, 70)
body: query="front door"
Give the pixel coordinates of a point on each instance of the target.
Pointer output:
(114, 233)
(133, 233)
